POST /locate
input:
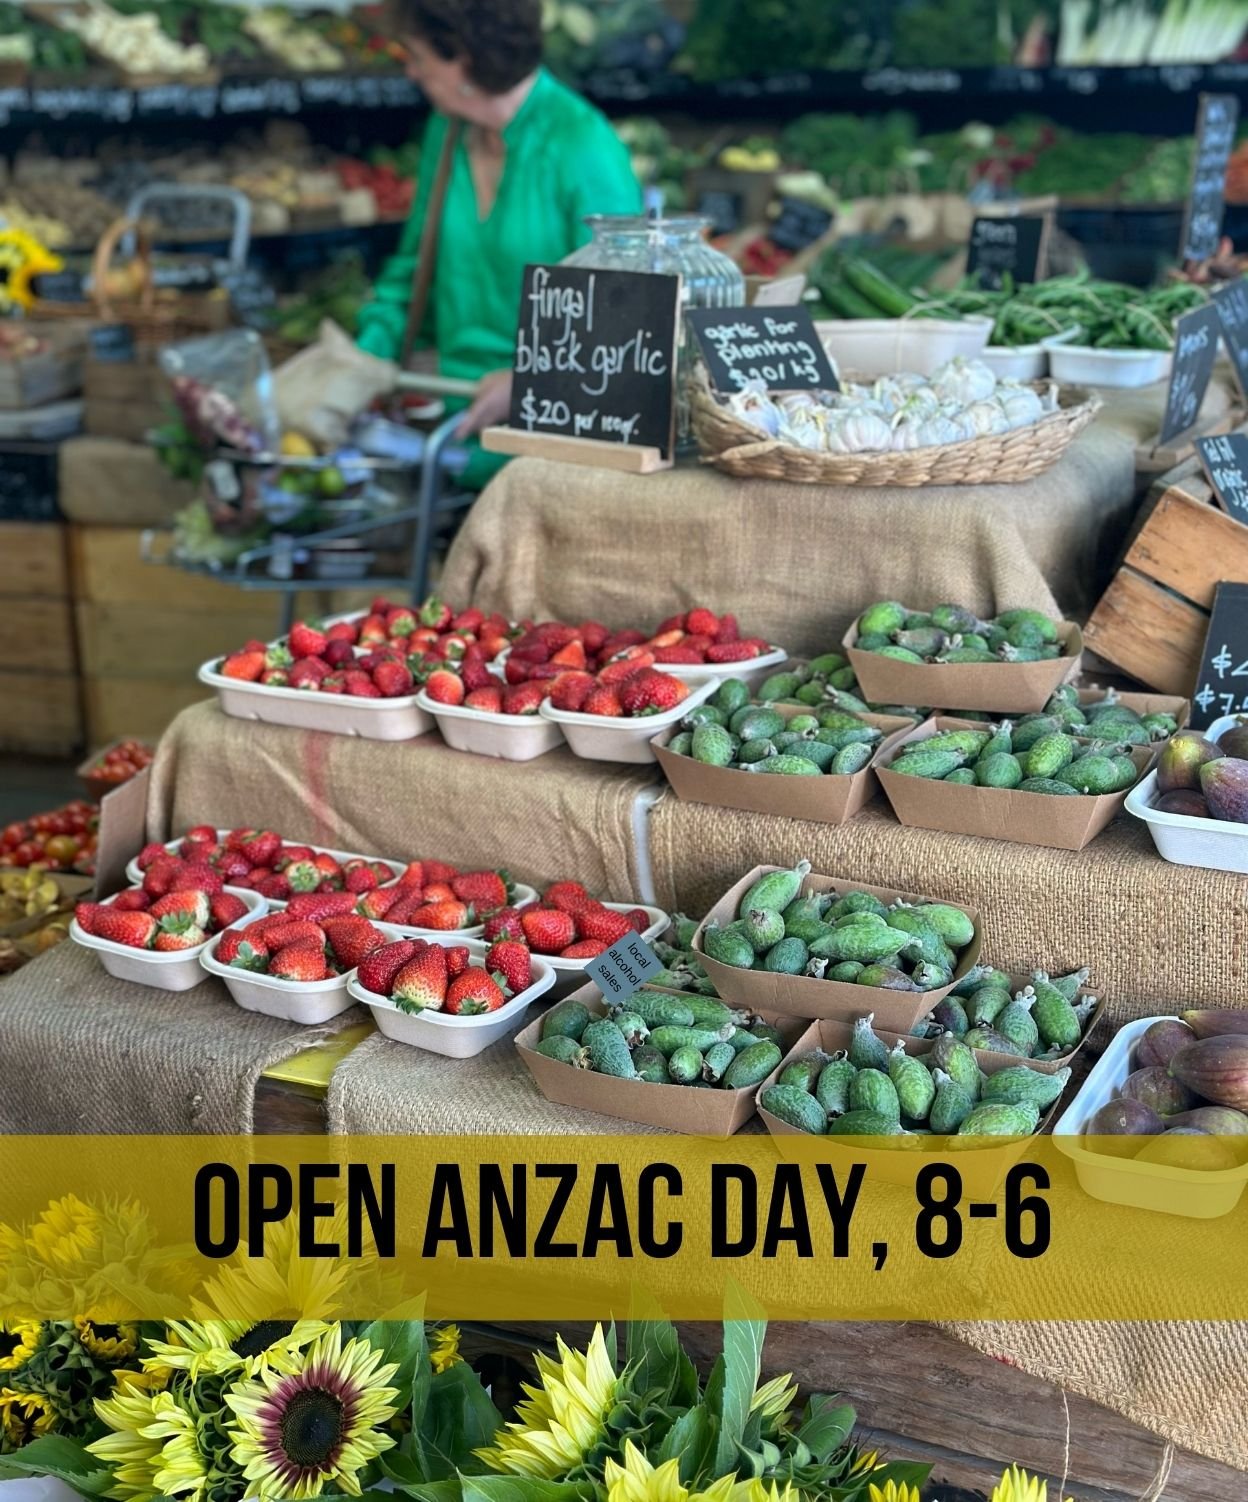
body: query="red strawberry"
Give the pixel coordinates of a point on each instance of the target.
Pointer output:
(372, 628)
(244, 666)
(224, 908)
(233, 867)
(435, 871)
(421, 984)
(509, 963)
(413, 875)
(280, 929)
(435, 614)
(149, 854)
(523, 698)
(360, 686)
(274, 886)
(308, 673)
(401, 621)
(401, 908)
(601, 923)
(458, 958)
(698, 644)
(471, 619)
(547, 931)
(474, 993)
(485, 890)
(570, 690)
(504, 924)
(584, 949)
(334, 683)
(443, 917)
(316, 906)
(351, 939)
(159, 875)
(672, 623)
(594, 634)
(339, 654)
(381, 871)
(639, 920)
(567, 896)
(571, 656)
(299, 962)
(182, 906)
(702, 622)
(378, 970)
(554, 635)
(728, 629)
(665, 639)
(623, 668)
(306, 641)
(134, 929)
(603, 700)
(488, 700)
(183, 935)
(474, 672)
(681, 654)
(198, 836)
(441, 891)
(347, 631)
(328, 866)
(134, 901)
(358, 876)
(445, 687)
(275, 678)
(393, 680)
(517, 671)
(377, 903)
(303, 876)
(243, 949)
(734, 651)
(195, 877)
(651, 693)
(620, 641)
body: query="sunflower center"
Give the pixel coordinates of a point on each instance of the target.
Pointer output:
(106, 1332)
(260, 1337)
(8, 1343)
(312, 1428)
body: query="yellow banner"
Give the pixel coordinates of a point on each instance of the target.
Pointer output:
(553, 1228)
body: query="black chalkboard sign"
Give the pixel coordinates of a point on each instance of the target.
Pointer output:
(1195, 349)
(1215, 138)
(596, 355)
(798, 224)
(1222, 682)
(1232, 305)
(1225, 462)
(778, 346)
(1002, 247)
(725, 210)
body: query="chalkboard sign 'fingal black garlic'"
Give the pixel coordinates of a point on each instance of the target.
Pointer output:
(596, 355)
(778, 346)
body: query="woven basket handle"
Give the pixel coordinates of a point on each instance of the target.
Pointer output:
(102, 261)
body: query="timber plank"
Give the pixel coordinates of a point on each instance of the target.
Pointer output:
(1189, 546)
(1148, 633)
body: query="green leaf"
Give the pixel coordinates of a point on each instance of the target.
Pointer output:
(66, 1459)
(691, 1439)
(654, 1358)
(459, 1418)
(403, 1473)
(826, 1425)
(742, 1358)
(524, 1489)
(403, 1343)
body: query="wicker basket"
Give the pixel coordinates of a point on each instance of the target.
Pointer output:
(996, 459)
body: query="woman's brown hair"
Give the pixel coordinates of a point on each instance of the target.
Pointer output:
(500, 41)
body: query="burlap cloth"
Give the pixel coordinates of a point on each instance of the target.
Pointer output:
(85, 1053)
(106, 482)
(557, 816)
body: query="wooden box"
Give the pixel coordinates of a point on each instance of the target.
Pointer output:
(32, 559)
(40, 713)
(53, 373)
(125, 400)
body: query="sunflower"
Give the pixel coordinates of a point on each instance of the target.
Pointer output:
(1017, 1486)
(21, 258)
(19, 1340)
(564, 1418)
(279, 1283)
(639, 1481)
(314, 1424)
(24, 1416)
(892, 1492)
(107, 1342)
(444, 1349)
(65, 1232)
(222, 1347)
(182, 1469)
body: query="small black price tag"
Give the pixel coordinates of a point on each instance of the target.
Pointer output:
(1216, 121)
(778, 346)
(798, 224)
(725, 210)
(1232, 305)
(1222, 683)
(1196, 338)
(1002, 247)
(1225, 462)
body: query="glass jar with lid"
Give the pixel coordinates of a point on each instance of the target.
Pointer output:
(673, 245)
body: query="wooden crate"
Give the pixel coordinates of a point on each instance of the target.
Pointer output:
(40, 713)
(32, 559)
(157, 641)
(1151, 621)
(141, 707)
(46, 377)
(125, 400)
(36, 635)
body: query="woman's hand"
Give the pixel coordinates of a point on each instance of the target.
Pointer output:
(491, 404)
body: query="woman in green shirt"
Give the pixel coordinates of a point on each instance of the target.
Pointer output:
(532, 160)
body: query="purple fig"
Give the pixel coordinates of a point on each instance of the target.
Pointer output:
(1216, 1022)
(1185, 1147)
(1183, 801)
(1235, 742)
(1122, 1118)
(1180, 763)
(1225, 786)
(1216, 1068)
(1157, 1087)
(1218, 1121)
(1160, 1043)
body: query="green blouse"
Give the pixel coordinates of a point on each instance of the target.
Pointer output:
(562, 162)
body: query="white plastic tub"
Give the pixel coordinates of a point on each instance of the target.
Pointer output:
(1196, 1193)
(570, 974)
(597, 738)
(507, 737)
(340, 714)
(134, 874)
(1186, 841)
(1023, 362)
(520, 894)
(889, 346)
(752, 671)
(1080, 365)
(175, 970)
(305, 1002)
(441, 1033)
(1228, 722)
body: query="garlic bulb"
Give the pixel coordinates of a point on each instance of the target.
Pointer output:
(965, 381)
(1020, 406)
(865, 432)
(985, 417)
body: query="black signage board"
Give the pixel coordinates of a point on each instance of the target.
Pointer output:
(1006, 247)
(1222, 683)
(778, 346)
(1216, 122)
(1196, 338)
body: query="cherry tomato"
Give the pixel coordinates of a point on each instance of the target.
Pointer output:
(63, 849)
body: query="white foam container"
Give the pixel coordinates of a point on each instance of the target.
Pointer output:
(1198, 1194)
(506, 737)
(890, 346)
(175, 970)
(520, 894)
(752, 671)
(1023, 362)
(570, 974)
(441, 1033)
(1212, 844)
(134, 874)
(1079, 365)
(305, 1002)
(340, 714)
(1228, 722)
(597, 738)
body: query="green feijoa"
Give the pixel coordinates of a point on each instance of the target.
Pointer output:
(716, 1060)
(998, 1120)
(966, 655)
(851, 759)
(855, 735)
(916, 619)
(855, 902)
(767, 1031)
(708, 1012)
(795, 1108)
(815, 752)
(1055, 1016)
(1032, 729)
(785, 739)
(681, 744)
(650, 1065)
(898, 654)
(976, 976)
(756, 722)
(872, 1090)
(826, 664)
(741, 1039)
(1160, 727)
(989, 1040)
(975, 641)
(863, 1124)
(1045, 624)
(950, 1014)
(787, 764)
(804, 1070)
(951, 923)
(684, 1066)
(731, 695)
(704, 714)
(844, 679)
(1068, 985)
(1049, 755)
(763, 927)
(961, 777)
(999, 771)
(1026, 634)
(987, 1004)
(886, 978)
(927, 975)
(838, 719)
(777, 888)
(1016, 1024)
(912, 1082)
(566, 1050)
(1048, 785)
(885, 616)
(1128, 772)
(608, 1052)
(925, 640)
(803, 918)
(788, 957)
(1091, 774)
(753, 751)
(804, 724)
(668, 1039)
(633, 1025)
(926, 942)
(809, 693)
(567, 1018)
(1021, 1085)
(922, 762)
(712, 745)
(957, 1059)
(752, 1065)
(1131, 735)
(832, 1086)
(727, 948)
(951, 1104)
(1002, 742)
(872, 641)
(779, 686)
(658, 1010)
(866, 1049)
(847, 972)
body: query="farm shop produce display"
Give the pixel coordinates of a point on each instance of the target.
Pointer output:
(806, 945)
(1040, 1017)
(1196, 802)
(827, 680)
(965, 779)
(118, 763)
(62, 840)
(946, 655)
(136, 44)
(567, 923)
(299, 46)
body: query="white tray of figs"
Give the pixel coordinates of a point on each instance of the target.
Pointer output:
(1195, 819)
